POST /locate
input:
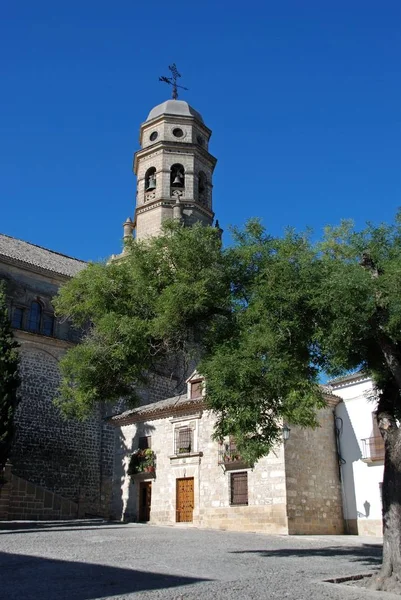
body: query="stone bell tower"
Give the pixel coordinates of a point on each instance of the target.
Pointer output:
(174, 169)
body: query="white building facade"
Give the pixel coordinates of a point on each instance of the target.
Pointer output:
(362, 454)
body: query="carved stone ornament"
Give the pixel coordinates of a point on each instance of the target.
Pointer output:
(150, 196)
(177, 194)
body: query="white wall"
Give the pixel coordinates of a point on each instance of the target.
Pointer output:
(361, 480)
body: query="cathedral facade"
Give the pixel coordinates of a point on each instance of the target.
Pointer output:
(68, 462)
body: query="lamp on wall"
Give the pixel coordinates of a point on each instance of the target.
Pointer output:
(286, 432)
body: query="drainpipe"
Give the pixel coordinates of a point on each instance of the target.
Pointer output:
(338, 430)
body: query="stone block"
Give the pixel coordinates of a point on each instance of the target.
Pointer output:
(48, 500)
(39, 493)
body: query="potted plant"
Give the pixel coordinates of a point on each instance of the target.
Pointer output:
(142, 461)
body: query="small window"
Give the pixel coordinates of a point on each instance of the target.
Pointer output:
(18, 317)
(239, 488)
(145, 442)
(196, 389)
(177, 132)
(183, 440)
(48, 324)
(153, 136)
(35, 314)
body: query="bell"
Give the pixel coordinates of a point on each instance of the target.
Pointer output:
(177, 181)
(151, 184)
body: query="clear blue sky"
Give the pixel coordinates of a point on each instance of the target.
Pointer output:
(303, 97)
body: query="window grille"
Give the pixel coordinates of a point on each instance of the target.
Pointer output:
(17, 319)
(145, 442)
(239, 488)
(183, 440)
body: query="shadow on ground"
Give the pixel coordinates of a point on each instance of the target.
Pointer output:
(366, 554)
(71, 525)
(32, 577)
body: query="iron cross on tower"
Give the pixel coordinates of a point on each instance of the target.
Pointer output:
(173, 80)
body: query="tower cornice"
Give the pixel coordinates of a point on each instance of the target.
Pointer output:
(167, 145)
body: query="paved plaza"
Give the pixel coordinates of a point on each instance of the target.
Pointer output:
(89, 560)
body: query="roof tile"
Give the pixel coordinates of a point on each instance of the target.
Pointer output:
(37, 256)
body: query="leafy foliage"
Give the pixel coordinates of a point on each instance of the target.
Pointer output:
(9, 379)
(263, 318)
(163, 299)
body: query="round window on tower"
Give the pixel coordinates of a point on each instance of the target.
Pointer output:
(153, 136)
(200, 140)
(177, 132)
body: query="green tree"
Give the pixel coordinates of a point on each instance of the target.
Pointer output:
(9, 380)
(302, 308)
(162, 301)
(263, 319)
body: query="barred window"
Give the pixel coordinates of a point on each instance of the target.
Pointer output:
(145, 442)
(183, 440)
(239, 488)
(17, 318)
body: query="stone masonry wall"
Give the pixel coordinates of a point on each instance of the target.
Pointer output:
(312, 479)
(265, 512)
(266, 509)
(63, 456)
(23, 500)
(69, 458)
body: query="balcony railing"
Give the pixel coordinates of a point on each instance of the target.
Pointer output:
(230, 457)
(373, 449)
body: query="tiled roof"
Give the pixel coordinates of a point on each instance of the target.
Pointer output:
(351, 377)
(157, 410)
(36, 256)
(168, 407)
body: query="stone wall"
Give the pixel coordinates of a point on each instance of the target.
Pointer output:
(164, 385)
(66, 457)
(22, 500)
(312, 479)
(266, 510)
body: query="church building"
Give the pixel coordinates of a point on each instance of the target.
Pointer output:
(156, 463)
(168, 469)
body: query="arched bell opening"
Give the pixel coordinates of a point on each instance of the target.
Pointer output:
(177, 177)
(150, 179)
(202, 188)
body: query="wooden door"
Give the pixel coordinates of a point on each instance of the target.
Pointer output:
(185, 500)
(145, 499)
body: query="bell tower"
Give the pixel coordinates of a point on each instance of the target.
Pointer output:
(174, 169)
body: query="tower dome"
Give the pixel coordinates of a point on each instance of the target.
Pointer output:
(178, 108)
(174, 169)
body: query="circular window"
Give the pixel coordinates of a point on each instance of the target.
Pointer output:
(177, 132)
(153, 136)
(200, 140)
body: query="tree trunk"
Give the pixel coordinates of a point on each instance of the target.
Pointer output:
(389, 577)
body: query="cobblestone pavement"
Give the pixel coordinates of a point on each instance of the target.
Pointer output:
(89, 560)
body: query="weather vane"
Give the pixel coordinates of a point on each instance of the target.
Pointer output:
(173, 80)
